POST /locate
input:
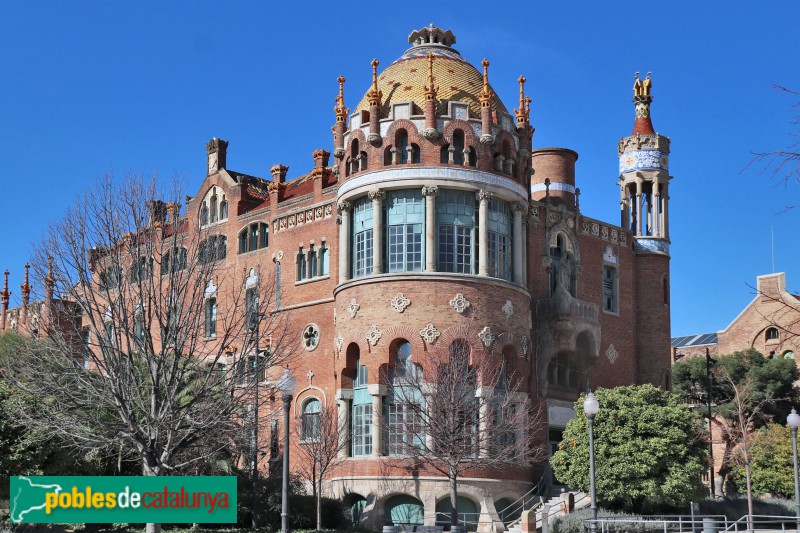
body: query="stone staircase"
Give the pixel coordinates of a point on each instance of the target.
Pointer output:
(556, 506)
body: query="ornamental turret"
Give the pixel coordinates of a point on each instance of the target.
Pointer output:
(644, 176)
(341, 121)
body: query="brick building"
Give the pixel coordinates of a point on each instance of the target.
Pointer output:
(436, 221)
(770, 324)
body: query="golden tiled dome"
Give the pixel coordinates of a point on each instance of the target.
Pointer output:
(405, 79)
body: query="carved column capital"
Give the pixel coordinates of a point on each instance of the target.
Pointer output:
(483, 195)
(376, 194)
(431, 190)
(519, 207)
(343, 206)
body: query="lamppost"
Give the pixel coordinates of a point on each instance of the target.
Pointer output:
(254, 320)
(793, 420)
(287, 385)
(590, 407)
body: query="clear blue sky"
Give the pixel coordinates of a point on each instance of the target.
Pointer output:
(140, 86)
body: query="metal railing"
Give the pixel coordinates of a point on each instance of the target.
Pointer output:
(468, 520)
(659, 523)
(763, 523)
(511, 513)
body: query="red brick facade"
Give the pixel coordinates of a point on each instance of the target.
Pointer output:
(581, 303)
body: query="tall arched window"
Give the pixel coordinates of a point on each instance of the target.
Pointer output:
(310, 426)
(499, 233)
(401, 144)
(402, 409)
(405, 216)
(772, 334)
(362, 237)
(223, 208)
(211, 317)
(456, 221)
(204, 215)
(458, 147)
(362, 414)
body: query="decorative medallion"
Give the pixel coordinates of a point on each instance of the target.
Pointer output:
(595, 229)
(552, 217)
(585, 226)
(486, 336)
(571, 223)
(508, 309)
(310, 337)
(353, 308)
(339, 342)
(373, 335)
(612, 353)
(604, 232)
(429, 333)
(400, 302)
(614, 235)
(459, 303)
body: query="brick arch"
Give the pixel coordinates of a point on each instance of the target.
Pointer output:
(312, 391)
(354, 336)
(402, 331)
(506, 338)
(362, 142)
(466, 333)
(503, 135)
(405, 124)
(469, 134)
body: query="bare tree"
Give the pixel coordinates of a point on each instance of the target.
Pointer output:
(783, 165)
(138, 353)
(319, 440)
(458, 412)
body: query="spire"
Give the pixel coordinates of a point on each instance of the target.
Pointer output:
(524, 112)
(642, 98)
(49, 281)
(430, 90)
(26, 287)
(486, 93)
(340, 109)
(374, 95)
(5, 294)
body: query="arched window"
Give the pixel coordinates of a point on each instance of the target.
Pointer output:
(142, 269)
(211, 317)
(458, 147)
(610, 289)
(788, 354)
(139, 330)
(310, 424)
(563, 270)
(405, 216)
(223, 208)
(405, 511)
(772, 334)
(213, 208)
(213, 248)
(111, 278)
(562, 373)
(204, 215)
(403, 405)
(362, 237)
(173, 261)
(456, 222)
(499, 236)
(401, 144)
(362, 414)
(254, 237)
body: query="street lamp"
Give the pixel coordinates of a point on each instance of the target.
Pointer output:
(590, 407)
(286, 384)
(793, 420)
(254, 319)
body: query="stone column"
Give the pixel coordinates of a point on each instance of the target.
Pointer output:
(430, 194)
(483, 235)
(377, 392)
(377, 197)
(638, 206)
(516, 246)
(623, 206)
(525, 251)
(484, 396)
(665, 211)
(656, 204)
(343, 399)
(344, 241)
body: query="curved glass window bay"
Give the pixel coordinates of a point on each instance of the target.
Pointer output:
(499, 238)
(405, 215)
(455, 218)
(362, 237)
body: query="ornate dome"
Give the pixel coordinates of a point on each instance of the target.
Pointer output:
(456, 79)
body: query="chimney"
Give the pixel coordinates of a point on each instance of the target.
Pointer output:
(158, 211)
(320, 172)
(26, 295)
(278, 184)
(217, 150)
(5, 294)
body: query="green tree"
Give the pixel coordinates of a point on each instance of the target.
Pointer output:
(769, 384)
(647, 449)
(772, 464)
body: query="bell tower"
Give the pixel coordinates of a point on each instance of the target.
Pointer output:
(644, 176)
(644, 204)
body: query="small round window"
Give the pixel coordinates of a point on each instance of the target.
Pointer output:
(310, 337)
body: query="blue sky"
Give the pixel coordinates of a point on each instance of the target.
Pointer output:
(140, 86)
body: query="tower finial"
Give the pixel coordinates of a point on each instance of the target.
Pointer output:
(430, 89)
(523, 113)
(26, 287)
(642, 98)
(486, 92)
(374, 95)
(340, 109)
(50, 280)
(5, 294)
